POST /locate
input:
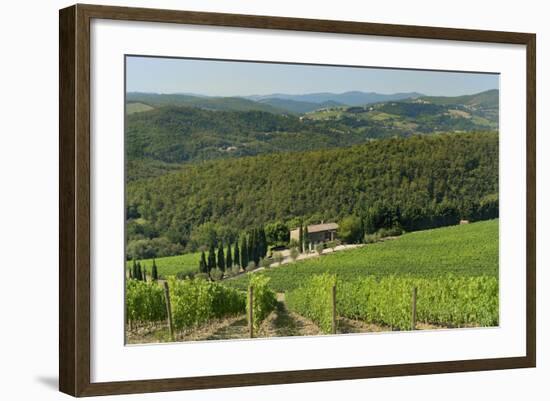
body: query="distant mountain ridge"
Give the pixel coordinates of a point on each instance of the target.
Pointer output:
(486, 99)
(350, 98)
(158, 131)
(281, 103)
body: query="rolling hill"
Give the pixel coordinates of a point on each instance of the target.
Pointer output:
(177, 134)
(466, 250)
(351, 98)
(425, 181)
(204, 102)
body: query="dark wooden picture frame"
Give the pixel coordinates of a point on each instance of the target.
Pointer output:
(74, 202)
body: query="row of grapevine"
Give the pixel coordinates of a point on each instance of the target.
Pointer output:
(454, 301)
(196, 301)
(263, 298)
(145, 302)
(314, 300)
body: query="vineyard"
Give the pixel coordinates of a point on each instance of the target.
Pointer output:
(465, 250)
(191, 303)
(449, 301)
(195, 302)
(441, 278)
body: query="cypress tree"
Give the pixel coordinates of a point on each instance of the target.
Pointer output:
(139, 275)
(229, 258)
(262, 242)
(251, 246)
(144, 274)
(221, 258)
(301, 238)
(255, 246)
(203, 266)
(237, 258)
(211, 258)
(134, 270)
(154, 272)
(130, 272)
(244, 253)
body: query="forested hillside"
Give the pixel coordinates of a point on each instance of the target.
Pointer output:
(173, 133)
(416, 182)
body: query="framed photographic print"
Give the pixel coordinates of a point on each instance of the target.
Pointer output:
(250, 200)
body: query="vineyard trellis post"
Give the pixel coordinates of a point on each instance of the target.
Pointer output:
(250, 311)
(413, 316)
(169, 311)
(333, 309)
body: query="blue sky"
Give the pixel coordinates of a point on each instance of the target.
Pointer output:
(237, 78)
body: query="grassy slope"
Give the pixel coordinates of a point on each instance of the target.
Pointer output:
(171, 265)
(465, 250)
(137, 108)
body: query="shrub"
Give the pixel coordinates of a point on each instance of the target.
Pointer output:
(264, 299)
(197, 301)
(393, 231)
(216, 274)
(350, 229)
(278, 257)
(251, 266)
(319, 248)
(294, 253)
(314, 300)
(447, 300)
(145, 302)
(371, 238)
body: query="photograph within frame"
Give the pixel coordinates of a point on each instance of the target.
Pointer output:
(207, 124)
(76, 295)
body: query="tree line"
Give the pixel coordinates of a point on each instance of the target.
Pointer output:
(249, 249)
(136, 272)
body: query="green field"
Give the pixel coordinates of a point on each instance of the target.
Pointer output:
(137, 108)
(171, 265)
(465, 250)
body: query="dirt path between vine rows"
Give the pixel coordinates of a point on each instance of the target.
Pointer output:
(284, 323)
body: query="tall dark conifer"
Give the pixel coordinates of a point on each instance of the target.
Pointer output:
(154, 271)
(237, 258)
(211, 258)
(139, 276)
(228, 257)
(203, 265)
(301, 237)
(221, 258)
(244, 252)
(306, 238)
(262, 242)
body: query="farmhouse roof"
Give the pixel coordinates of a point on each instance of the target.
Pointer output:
(315, 228)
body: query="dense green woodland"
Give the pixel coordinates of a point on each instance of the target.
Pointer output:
(415, 183)
(175, 129)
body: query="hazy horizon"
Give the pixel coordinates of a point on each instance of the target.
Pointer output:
(220, 78)
(294, 94)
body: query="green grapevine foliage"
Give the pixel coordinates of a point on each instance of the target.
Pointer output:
(196, 301)
(145, 301)
(264, 299)
(314, 300)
